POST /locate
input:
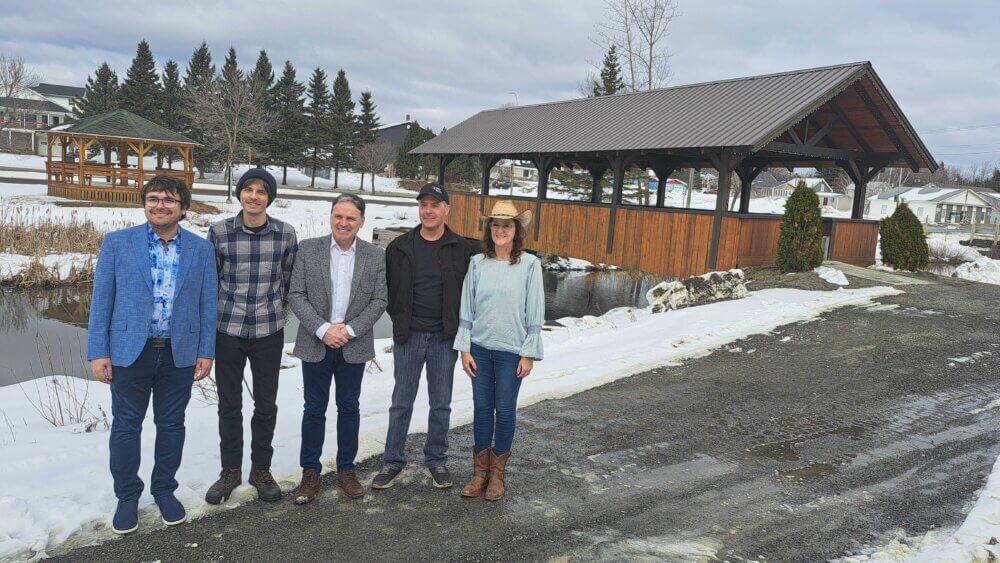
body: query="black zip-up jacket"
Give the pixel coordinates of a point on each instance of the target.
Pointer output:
(399, 270)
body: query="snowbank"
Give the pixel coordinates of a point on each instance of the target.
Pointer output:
(984, 270)
(832, 275)
(41, 505)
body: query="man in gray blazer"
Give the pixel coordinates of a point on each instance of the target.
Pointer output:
(337, 292)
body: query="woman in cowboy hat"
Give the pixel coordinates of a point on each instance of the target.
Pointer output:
(499, 336)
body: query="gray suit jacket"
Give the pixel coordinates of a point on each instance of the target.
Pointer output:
(309, 297)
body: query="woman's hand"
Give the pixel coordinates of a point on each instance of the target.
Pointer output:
(524, 367)
(469, 365)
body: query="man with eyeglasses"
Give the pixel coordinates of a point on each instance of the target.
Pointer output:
(145, 341)
(337, 292)
(254, 253)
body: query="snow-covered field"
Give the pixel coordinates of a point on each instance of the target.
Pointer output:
(42, 505)
(310, 218)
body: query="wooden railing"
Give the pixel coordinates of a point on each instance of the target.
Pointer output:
(665, 241)
(98, 182)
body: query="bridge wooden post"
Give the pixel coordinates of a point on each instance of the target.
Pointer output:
(597, 174)
(663, 172)
(619, 163)
(544, 164)
(724, 162)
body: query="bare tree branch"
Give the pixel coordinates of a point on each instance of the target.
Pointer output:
(373, 158)
(638, 30)
(15, 78)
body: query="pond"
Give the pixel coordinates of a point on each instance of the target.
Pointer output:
(44, 332)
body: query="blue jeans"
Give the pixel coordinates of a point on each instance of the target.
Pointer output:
(494, 396)
(316, 377)
(153, 373)
(433, 349)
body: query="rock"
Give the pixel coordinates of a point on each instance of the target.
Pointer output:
(698, 290)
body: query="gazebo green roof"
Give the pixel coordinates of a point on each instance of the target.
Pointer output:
(123, 124)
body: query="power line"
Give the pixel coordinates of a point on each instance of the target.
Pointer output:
(966, 153)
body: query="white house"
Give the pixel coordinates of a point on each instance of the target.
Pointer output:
(517, 170)
(935, 203)
(35, 108)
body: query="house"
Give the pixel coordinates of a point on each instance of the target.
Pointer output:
(394, 134)
(517, 170)
(35, 108)
(935, 203)
(993, 198)
(785, 189)
(764, 184)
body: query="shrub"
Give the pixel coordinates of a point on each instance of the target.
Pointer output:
(903, 243)
(800, 244)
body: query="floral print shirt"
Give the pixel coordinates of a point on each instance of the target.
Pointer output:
(164, 256)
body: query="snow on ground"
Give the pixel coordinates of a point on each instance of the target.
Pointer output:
(672, 198)
(832, 275)
(40, 508)
(983, 270)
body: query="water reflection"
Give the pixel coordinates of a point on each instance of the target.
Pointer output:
(44, 332)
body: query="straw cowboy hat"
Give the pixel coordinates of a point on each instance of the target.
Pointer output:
(505, 209)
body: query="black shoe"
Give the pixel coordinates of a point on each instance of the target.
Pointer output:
(440, 477)
(385, 478)
(229, 479)
(267, 489)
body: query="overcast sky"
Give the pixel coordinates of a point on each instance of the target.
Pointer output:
(442, 61)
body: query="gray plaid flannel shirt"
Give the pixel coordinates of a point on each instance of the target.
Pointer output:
(254, 272)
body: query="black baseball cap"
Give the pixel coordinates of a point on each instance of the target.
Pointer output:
(435, 191)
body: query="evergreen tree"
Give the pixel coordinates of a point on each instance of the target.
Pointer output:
(141, 91)
(368, 122)
(413, 166)
(831, 175)
(367, 126)
(317, 124)
(172, 113)
(344, 132)
(197, 77)
(800, 242)
(288, 142)
(611, 75)
(101, 95)
(230, 69)
(903, 242)
(200, 69)
(263, 72)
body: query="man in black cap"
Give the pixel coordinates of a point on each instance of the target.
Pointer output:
(253, 254)
(425, 269)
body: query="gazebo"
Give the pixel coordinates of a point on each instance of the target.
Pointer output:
(72, 175)
(838, 116)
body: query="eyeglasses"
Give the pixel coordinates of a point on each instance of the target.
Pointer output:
(166, 201)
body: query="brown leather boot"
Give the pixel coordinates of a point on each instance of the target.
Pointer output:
(349, 484)
(308, 487)
(480, 474)
(498, 465)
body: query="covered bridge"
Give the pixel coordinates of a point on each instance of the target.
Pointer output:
(838, 116)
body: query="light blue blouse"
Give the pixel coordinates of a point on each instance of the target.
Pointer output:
(503, 306)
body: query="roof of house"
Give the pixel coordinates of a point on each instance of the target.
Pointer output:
(809, 182)
(26, 104)
(744, 112)
(766, 180)
(123, 124)
(933, 192)
(59, 90)
(395, 134)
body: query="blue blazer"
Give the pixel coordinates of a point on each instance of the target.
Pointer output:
(122, 305)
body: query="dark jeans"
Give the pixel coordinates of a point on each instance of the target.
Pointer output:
(153, 373)
(316, 377)
(494, 397)
(231, 355)
(434, 350)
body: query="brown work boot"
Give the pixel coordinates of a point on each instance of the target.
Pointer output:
(495, 490)
(267, 489)
(308, 487)
(348, 483)
(220, 490)
(480, 474)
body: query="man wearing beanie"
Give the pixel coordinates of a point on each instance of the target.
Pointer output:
(254, 253)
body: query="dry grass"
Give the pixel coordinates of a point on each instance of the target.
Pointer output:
(37, 234)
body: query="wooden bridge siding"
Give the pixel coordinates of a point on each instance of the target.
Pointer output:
(854, 242)
(671, 243)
